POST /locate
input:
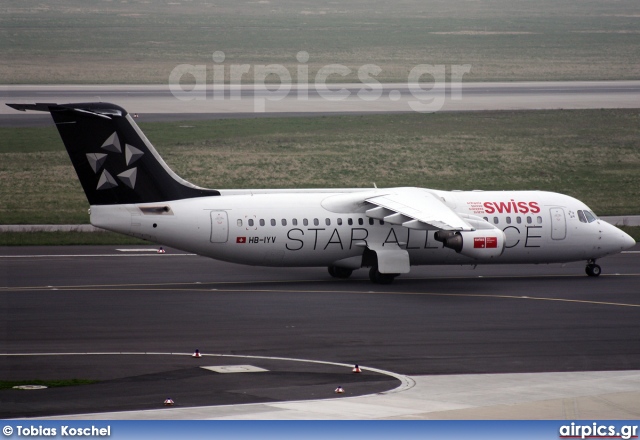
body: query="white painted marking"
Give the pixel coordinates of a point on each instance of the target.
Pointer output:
(406, 382)
(630, 252)
(29, 387)
(137, 250)
(98, 255)
(235, 369)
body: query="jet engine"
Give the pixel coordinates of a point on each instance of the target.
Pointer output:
(482, 244)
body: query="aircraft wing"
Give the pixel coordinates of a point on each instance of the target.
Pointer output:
(416, 208)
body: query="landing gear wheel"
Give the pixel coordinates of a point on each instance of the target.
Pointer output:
(339, 272)
(380, 278)
(593, 270)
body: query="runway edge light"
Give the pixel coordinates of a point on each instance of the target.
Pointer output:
(196, 354)
(168, 402)
(339, 390)
(356, 369)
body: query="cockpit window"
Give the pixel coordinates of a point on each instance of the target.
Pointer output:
(581, 216)
(586, 216)
(590, 216)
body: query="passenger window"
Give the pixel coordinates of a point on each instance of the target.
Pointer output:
(518, 220)
(360, 222)
(294, 222)
(239, 222)
(273, 222)
(581, 216)
(529, 220)
(539, 219)
(305, 222)
(250, 222)
(382, 222)
(261, 222)
(350, 221)
(284, 222)
(327, 221)
(486, 219)
(371, 221)
(339, 222)
(316, 222)
(508, 220)
(590, 216)
(495, 220)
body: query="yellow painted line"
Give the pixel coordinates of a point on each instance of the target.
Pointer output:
(368, 292)
(177, 283)
(534, 298)
(327, 280)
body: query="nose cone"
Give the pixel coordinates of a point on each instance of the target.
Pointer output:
(617, 240)
(627, 241)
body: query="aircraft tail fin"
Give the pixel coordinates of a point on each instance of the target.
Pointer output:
(114, 160)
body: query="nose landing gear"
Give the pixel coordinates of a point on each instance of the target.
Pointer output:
(592, 269)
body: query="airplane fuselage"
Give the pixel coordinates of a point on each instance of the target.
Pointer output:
(324, 228)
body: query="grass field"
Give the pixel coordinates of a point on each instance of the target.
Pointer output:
(593, 155)
(75, 41)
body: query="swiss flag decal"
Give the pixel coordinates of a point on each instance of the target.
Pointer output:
(485, 242)
(241, 239)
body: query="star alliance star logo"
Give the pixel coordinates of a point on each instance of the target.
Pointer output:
(97, 161)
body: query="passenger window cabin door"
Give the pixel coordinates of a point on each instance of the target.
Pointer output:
(219, 227)
(558, 224)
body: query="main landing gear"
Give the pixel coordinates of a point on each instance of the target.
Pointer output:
(592, 269)
(374, 274)
(380, 278)
(339, 272)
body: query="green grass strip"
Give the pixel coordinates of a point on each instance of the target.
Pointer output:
(593, 155)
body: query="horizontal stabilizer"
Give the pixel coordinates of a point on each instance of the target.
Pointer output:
(40, 107)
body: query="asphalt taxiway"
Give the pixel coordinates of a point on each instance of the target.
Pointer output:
(130, 318)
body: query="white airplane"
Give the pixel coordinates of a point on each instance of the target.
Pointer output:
(132, 191)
